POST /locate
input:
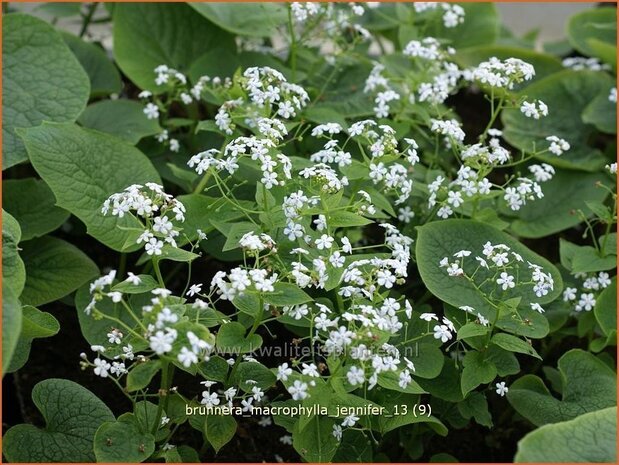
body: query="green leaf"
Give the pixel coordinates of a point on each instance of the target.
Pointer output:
(95, 330)
(390, 380)
(315, 443)
(589, 385)
(83, 168)
(472, 330)
(444, 238)
(598, 23)
(586, 259)
(122, 441)
(33, 205)
(13, 269)
(234, 234)
(122, 118)
(567, 94)
(72, 415)
(602, 113)
(141, 376)
(344, 219)
(35, 324)
(253, 371)
(589, 438)
(480, 27)
(245, 19)
(286, 294)
(476, 406)
(564, 194)
(147, 283)
(54, 268)
(231, 338)
(11, 325)
(215, 369)
(514, 344)
(170, 34)
(606, 309)
(427, 358)
(477, 370)
(42, 81)
(219, 430)
(390, 422)
(103, 75)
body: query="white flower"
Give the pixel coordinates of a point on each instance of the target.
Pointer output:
(506, 281)
(604, 279)
(101, 367)
(586, 302)
(537, 307)
(194, 289)
(210, 399)
(569, 294)
(187, 357)
(324, 242)
(298, 390)
(283, 371)
(151, 111)
(153, 246)
(350, 420)
(133, 279)
(557, 146)
(355, 375)
(405, 214)
(501, 388)
(442, 332)
(337, 432)
(161, 342)
(428, 317)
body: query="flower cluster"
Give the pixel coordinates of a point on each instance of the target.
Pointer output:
(452, 15)
(156, 210)
(497, 271)
(583, 297)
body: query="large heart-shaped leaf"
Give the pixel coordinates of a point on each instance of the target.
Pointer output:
(54, 268)
(33, 204)
(41, 81)
(122, 118)
(72, 415)
(83, 168)
(104, 77)
(170, 34)
(444, 238)
(588, 385)
(598, 24)
(258, 19)
(566, 192)
(589, 438)
(567, 94)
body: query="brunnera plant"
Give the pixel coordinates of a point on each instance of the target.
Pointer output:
(290, 218)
